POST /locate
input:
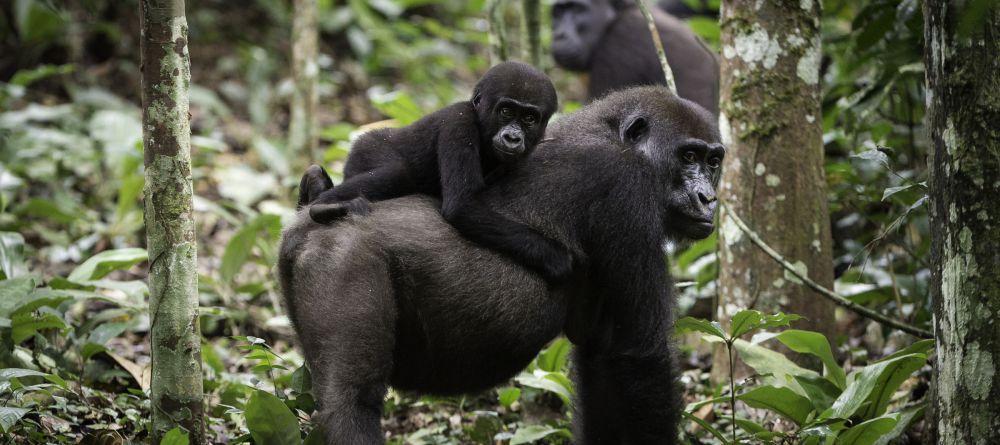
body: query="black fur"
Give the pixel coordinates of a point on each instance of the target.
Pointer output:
(610, 40)
(400, 298)
(451, 154)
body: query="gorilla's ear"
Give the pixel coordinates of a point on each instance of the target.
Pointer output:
(477, 99)
(634, 130)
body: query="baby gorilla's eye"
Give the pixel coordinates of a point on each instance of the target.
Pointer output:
(529, 119)
(689, 156)
(506, 112)
(714, 163)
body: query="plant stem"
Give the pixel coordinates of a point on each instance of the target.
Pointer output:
(732, 387)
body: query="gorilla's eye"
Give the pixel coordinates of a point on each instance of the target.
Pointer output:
(714, 163)
(506, 112)
(689, 156)
(529, 119)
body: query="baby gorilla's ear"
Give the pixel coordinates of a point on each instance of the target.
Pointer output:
(477, 99)
(314, 182)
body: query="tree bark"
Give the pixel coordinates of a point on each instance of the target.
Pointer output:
(173, 280)
(963, 90)
(773, 174)
(498, 32)
(303, 143)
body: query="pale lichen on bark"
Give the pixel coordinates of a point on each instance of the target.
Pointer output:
(963, 76)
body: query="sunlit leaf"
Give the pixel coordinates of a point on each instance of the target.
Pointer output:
(783, 401)
(691, 324)
(106, 262)
(270, 421)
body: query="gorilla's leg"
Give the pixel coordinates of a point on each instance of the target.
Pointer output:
(344, 312)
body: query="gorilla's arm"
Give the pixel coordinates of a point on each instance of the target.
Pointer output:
(461, 183)
(624, 373)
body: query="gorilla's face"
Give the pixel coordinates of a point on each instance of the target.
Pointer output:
(513, 102)
(681, 140)
(577, 26)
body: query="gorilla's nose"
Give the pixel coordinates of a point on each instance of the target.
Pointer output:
(706, 198)
(512, 139)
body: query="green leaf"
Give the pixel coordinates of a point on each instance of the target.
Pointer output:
(871, 387)
(12, 373)
(691, 324)
(768, 362)
(397, 105)
(749, 320)
(99, 265)
(816, 344)
(697, 250)
(548, 381)
(13, 294)
(874, 155)
(175, 437)
(783, 401)
(9, 416)
(23, 326)
(533, 433)
(866, 433)
(243, 241)
(38, 22)
(918, 347)
(554, 357)
(12, 255)
(706, 426)
(905, 419)
(820, 391)
(507, 396)
(315, 437)
(270, 421)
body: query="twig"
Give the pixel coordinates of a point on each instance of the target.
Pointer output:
(668, 74)
(838, 299)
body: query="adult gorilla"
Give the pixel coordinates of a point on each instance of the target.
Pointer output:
(399, 298)
(610, 41)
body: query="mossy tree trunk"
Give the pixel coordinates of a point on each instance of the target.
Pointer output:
(303, 143)
(962, 59)
(173, 278)
(531, 23)
(773, 171)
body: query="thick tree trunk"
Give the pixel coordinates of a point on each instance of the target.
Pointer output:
(773, 173)
(303, 143)
(173, 278)
(963, 89)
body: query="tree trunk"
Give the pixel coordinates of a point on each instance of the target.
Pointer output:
(963, 88)
(531, 23)
(173, 279)
(498, 31)
(303, 143)
(773, 172)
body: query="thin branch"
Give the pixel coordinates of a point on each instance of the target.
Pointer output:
(497, 34)
(668, 74)
(838, 299)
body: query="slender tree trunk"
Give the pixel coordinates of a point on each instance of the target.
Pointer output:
(773, 172)
(531, 22)
(499, 49)
(302, 134)
(963, 87)
(173, 278)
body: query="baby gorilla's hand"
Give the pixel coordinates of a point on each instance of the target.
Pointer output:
(557, 262)
(328, 213)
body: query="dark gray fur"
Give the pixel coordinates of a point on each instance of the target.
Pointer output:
(399, 298)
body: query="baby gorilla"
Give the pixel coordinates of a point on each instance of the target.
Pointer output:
(453, 154)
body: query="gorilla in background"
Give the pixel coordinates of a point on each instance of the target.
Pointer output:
(609, 40)
(398, 297)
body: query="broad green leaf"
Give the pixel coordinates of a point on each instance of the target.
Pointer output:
(866, 433)
(691, 324)
(507, 396)
(783, 401)
(99, 265)
(816, 344)
(9, 415)
(554, 357)
(270, 421)
(768, 362)
(697, 250)
(905, 419)
(918, 347)
(23, 326)
(706, 426)
(13, 293)
(820, 391)
(175, 437)
(749, 320)
(397, 105)
(874, 155)
(547, 381)
(873, 386)
(242, 243)
(38, 22)
(12, 255)
(533, 433)
(11, 373)
(315, 437)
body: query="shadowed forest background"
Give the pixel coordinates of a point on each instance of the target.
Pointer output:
(74, 326)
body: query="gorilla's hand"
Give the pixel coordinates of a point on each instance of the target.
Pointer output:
(556, 263)
(328, 213)
(314, 182)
